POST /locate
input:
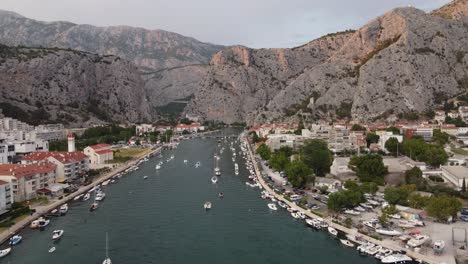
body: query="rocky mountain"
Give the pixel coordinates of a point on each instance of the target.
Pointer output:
(57, 85)
(159, 55)
(403, 61)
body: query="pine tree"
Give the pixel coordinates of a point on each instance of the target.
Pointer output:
(463, 189)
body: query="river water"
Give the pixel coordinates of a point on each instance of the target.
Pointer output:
(162, 220)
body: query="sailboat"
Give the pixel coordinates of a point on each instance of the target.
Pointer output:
(107, 260)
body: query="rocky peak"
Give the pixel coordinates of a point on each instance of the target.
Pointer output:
(457, 9)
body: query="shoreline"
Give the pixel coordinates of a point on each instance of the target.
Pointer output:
(343, 229)
(24, 223)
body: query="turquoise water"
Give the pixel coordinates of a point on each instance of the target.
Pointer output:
(162, 220)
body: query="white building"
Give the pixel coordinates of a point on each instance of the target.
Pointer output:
(455, 175)
(6, 196)
(7, 152)
(99, 154)
(144, 128)
(385, 135)
(425, 132)
(24, 147)
(192, 128)
(276, 141)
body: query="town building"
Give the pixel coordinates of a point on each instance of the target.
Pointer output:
(439, 116)
(144, 128)
(463, 112)
(425, 132)
(6, 196)
(455, 175)
(7, 152)
(99, 154)
(332, 185)
(384, 136)
(276, 141)
(27, 179)
(192, 128)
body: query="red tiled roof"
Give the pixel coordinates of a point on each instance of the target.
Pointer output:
(103, 151)
(100, 146)
(3, 182)
(63, 157)
(22, 170)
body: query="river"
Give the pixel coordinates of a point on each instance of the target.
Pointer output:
(162, 220)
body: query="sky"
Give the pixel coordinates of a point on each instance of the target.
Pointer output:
(253, 23)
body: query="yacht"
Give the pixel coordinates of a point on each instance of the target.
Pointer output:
(5, 252)
(272, 206)
(214, 179)
(388, 232)
(42, 223)
(346, 243)
(63, 209)
(438, 246)
(282, 204)
(332, 231)
(418, 240)
(57, 234)
(100, 196)
(15, 240)
(207, 205)
(384, 252)
(397, 258)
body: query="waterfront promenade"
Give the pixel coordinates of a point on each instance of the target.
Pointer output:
(5, 235)
(384, 243)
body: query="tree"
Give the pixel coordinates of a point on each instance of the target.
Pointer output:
(372, 138)
(288, 151)
(345, 199)
(357, 127)
(394, 130)
(298, 131)
(383, 219)
(398, 195)
(264, 152)
(414, 176)
(317, 156)
(443, 207)
(369, 187)
(390, 210)
(279, 161)
(369, 168)
(463, 188)
(417, 201)
(299, 174)
(392, 146)
(351, 185)
(435, 155)
(439, 137)
(185, 121)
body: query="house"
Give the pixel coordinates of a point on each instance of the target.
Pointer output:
(384, 136)
(455, 175)
(463, 112)
(144, 128)
(449, 129)
(192, 128)
(27, 179)
(99, 154)
(439, 116)
(331, 184)
(453, 114)
(70, 165)
(7, 152)
(425, 132)
(6, 196)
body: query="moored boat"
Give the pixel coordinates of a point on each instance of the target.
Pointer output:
(207, 205)
(397, 258)
(332, 231)
(15, 240)
(94, 206)
(438, 246)
(346, 243)
(57, 234)
(214, 179)
(100, 196)
(86, 196)
(272, 206)
(63, 209)
(5, 252)
(388, 232)
(418, 240)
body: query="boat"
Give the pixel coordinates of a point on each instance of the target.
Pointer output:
(221, 195)
(359, 209)
(5, 252)
(198, 164)
(15, 240)
(185, 161)
(214, 179)
(302, 215)
(105, 183)
(217, 171)
(332, 231)
(388, 232)
(52, 249)
(438, 246)
(86, 196)
(418, 240)
(357, 239)
(100, 196)
(373, 250)
(57, 234)
(207, 205)
(145, 177)
(351, 212)
(281, 204)
(272, 206)
(397, 258)
(395, 216)
(78, 197)
(63, 209)
(40, 222)
(158, 167)
(43, 223)
(295, 215)
(93, 207)
(405, 224)
(346, 243)
(384, 252)
(107, 260)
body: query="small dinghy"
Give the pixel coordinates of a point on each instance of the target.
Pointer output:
(214, 179)
(145, 177)
(158, 167)
(52, 249)
(346, 243)
(272, 206)
(94, 206)
(221, 195)
(86, 197)
(15, 240)
(207, 205)
(332, 231)
(57, 234)
(5, 252)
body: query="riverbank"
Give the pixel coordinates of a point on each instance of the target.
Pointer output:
(17, 227)
(384, 243)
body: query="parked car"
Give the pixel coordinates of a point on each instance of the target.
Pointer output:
(464, 218)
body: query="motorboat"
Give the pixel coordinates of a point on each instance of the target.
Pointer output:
(365, 246)
(207, 205)
(145, 177)
(221, 195)
(198, 164)
(43, 222)
(388, 232)
(57, 234)
(86, 196)
(52, 249)
(384, 252)
(15, 240)
(359, 209)
(214, 179)
(397, 258)
(107, 260)
(438, 246)
(94, 206)
(5, 252)
(63, 209)
(302, 215)
(310, 222)
(272, 206)
(357, 239)
(100, 196)
(373, 250)
(418, 240)
(158, 167)
(323, 225)
(185, 161)
(217, 171)
(78, 197)
(332, 231)
(372, 224)
(346, 243)
(405, 224)
(105, 183)
(282, 204)
(351, 212)
(295, 215)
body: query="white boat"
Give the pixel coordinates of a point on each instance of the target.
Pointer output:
(332, 231)
(43, 222)
(357, 239)
(52, 249)
(94, 206)
(295, 215)
(281, 204)
(388, 232)
(359, 209)
(310, 222)
(384, 252)
(373, 250)
(63, 209)
(214, 179)
(100, 196)
(372, 224)
(198, 164)
(405, 224)
(86, 196)
(107, 260)
(351, 212)
(217, 171)
(185, 161)
(145, 177)
(438, 246)
(5, 252)
(365, 246)
(57, 234)
(397, 258)
(272, 206)
(207, 205)
(105, 183)
(418, 240)
(302, 215)
(158, 167)
(346, 243)
(395, 216)
(78, 197)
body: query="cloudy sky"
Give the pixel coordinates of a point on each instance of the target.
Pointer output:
(254, 23)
